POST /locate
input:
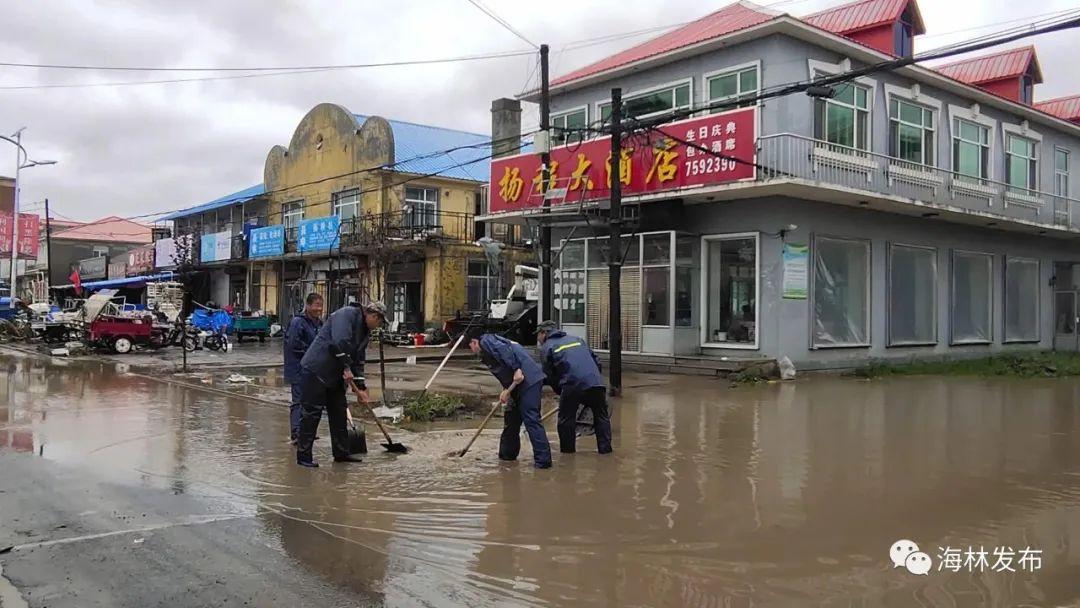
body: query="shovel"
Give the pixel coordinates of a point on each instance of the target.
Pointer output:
(390, 446)
(484, 423)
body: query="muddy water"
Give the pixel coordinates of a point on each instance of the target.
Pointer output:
(778, 495)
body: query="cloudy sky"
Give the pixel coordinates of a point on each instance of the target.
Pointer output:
(132, 150)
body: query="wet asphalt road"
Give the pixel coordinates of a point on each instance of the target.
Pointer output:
(122, 490)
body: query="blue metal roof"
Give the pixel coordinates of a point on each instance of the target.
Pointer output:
(106, 283)
(229, 199)
(421, 149)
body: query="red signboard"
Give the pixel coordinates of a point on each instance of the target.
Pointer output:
(28, 235)
(140, 260)
(650, 162)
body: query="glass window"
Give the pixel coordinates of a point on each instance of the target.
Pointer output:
(903, 36)
(1021, 164)
(731, 300)
(655, 296)
(347, 204)
(841, 292)
(564, 125)
(685, 290)
(972, 294)
(911, 132)
(732, 85)
(1061, 172)
(598, 253)
(1021, 300)
(971, 149)
(656, 248)
(912, 295)
(569, 290)
(844, 120)
(573, 255)
(292, 214)
(481, 286)
(651, 103)
(422, 207)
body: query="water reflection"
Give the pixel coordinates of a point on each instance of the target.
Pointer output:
(760, 496)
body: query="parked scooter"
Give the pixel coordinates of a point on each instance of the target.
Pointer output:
(182, 334)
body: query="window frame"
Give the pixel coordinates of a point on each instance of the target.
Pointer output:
(898, 121)
(822, 113)
(974, 115)
(1061, 175)
(1032, 162)
(412, 202)
(703, 321)
(987, 148)
(630, 96)
(489, 280)
(1005, 339)
(737, 71)
(811, 294)
(890, 341)
(287, 213)
(991, 309)
(562, 138)
(337, 205)
(583, 269)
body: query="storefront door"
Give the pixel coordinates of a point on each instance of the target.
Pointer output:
(1065, 321)
(731, 268)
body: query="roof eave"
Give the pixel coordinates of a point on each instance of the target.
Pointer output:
(787, 24)
(751, 32)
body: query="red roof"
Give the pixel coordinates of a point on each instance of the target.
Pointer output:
(1012, 63)
(865, 14)
(110, 229)
(731, 18)
(1066, 108)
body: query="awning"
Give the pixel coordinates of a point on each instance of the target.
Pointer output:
(124, 282)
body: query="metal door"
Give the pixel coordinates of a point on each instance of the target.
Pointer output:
(1065, 321)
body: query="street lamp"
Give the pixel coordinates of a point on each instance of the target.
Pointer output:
(22, 161)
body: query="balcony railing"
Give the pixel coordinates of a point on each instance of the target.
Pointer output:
(407, 227)
(788, 156)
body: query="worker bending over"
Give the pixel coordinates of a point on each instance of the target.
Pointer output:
(522, 381)
(335, 358)
(573, 371)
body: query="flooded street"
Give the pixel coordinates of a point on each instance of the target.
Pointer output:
(769, 495)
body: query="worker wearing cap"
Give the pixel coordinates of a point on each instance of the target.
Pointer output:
(522, 381)
(335, 357)
(298, 337)
(573, 371)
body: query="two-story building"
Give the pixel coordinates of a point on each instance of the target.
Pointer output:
(356, 206)
(910, 212)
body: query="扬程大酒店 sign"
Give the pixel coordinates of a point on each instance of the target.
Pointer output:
(651, 161)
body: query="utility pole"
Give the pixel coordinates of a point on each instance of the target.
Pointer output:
(615, 248)
(48, 254)
(15, 220)
(547, 285)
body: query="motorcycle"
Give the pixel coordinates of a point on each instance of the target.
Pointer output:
(219, 340)
(182, 334)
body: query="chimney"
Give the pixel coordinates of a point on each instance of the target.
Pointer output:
(505, 127)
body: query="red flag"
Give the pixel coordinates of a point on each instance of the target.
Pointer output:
(76, 281)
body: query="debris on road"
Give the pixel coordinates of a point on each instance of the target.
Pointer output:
(238, 379)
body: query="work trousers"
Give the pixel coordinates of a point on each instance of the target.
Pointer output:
(596, 400)
(526, 409)
(316, 397)
(294, 410)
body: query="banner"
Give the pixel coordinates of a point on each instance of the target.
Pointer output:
(796, 265)
(318, 234)
(167, 253)
(118, 270)
(268, 241)
(215, 247)
(29, 234)
(649, 163)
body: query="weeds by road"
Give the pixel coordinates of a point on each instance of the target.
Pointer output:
(1043, 364)
(428, 407)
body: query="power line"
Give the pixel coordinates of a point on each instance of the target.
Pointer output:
(446, 152)
(503, 22)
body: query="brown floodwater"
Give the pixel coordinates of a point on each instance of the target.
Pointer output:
(771, 495)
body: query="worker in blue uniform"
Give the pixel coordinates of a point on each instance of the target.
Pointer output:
(522, 381)
(335, 358)
(573, 371)
(298, 337)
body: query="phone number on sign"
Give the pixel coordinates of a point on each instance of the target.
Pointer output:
(705, 166)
